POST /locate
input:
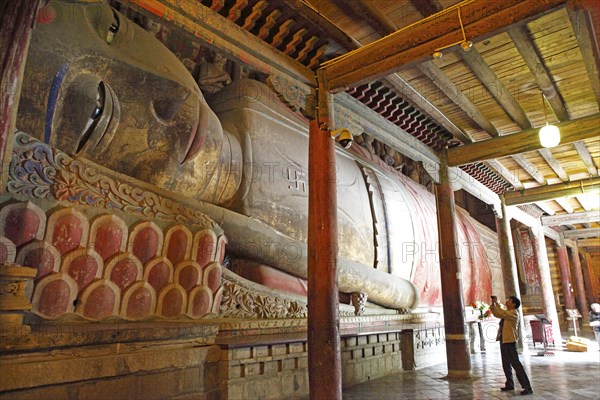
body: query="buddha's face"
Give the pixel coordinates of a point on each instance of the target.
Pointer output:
(98, 86)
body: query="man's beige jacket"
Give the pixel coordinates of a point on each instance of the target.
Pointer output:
(511, 322)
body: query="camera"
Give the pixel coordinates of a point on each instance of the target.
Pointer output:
(343, 137)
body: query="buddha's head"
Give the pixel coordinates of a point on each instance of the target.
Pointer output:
(98, 86)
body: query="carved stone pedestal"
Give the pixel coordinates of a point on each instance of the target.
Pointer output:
(13, 298)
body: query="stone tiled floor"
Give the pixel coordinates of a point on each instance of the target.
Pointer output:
(565, 375)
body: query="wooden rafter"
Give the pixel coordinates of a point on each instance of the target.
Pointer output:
(586, 203)
(583, 28)
(575, 218)
(554, 164)
(367, 11)
(522, 142)
(410, 45)
(448, 87)
(427, 7)
(489, 79)
(505, 173)
(414, 96)
(545, 208)
(582, 233)
(529, 168)
(586, 157)
(550, 192)
(535, 64)
(565, 205)
(595, 242)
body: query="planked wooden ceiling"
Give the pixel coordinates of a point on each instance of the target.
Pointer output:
(493, 90)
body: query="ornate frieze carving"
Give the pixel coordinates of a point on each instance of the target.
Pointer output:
(243, 303)
(345, 119)
(295, 95)
(39, 171)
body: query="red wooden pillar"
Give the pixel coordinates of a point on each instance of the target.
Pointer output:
(587, 279)
(457, 350)
(324, 360)
(565, 277)
(579, 285)
(17, 20)
(594, 278)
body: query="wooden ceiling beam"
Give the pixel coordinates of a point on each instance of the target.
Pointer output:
(566, 206)
(412, 44)
(545, 208)
(522, 142)
(367, 11)
(405, 89)
(505, 173)
(575, 218)
(530, 55)
(489, 79)
(582, 233)
(554, 164)
(427, 7)
(551, 192)
(595, 242)
(586, 157)
(448, 87)
(588, 45)
(588, 204)
(529, 168)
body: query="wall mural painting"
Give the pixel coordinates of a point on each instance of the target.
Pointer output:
(112, 120)
(530, 274)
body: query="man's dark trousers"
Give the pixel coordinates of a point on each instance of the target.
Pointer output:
(510, 357)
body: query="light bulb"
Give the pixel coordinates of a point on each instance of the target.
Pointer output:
(549, 136)
(437, 55)
(466, 45)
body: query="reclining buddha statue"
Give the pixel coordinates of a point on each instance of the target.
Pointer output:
(100, 88)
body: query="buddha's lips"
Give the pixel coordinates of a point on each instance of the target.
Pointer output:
(197, 136)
